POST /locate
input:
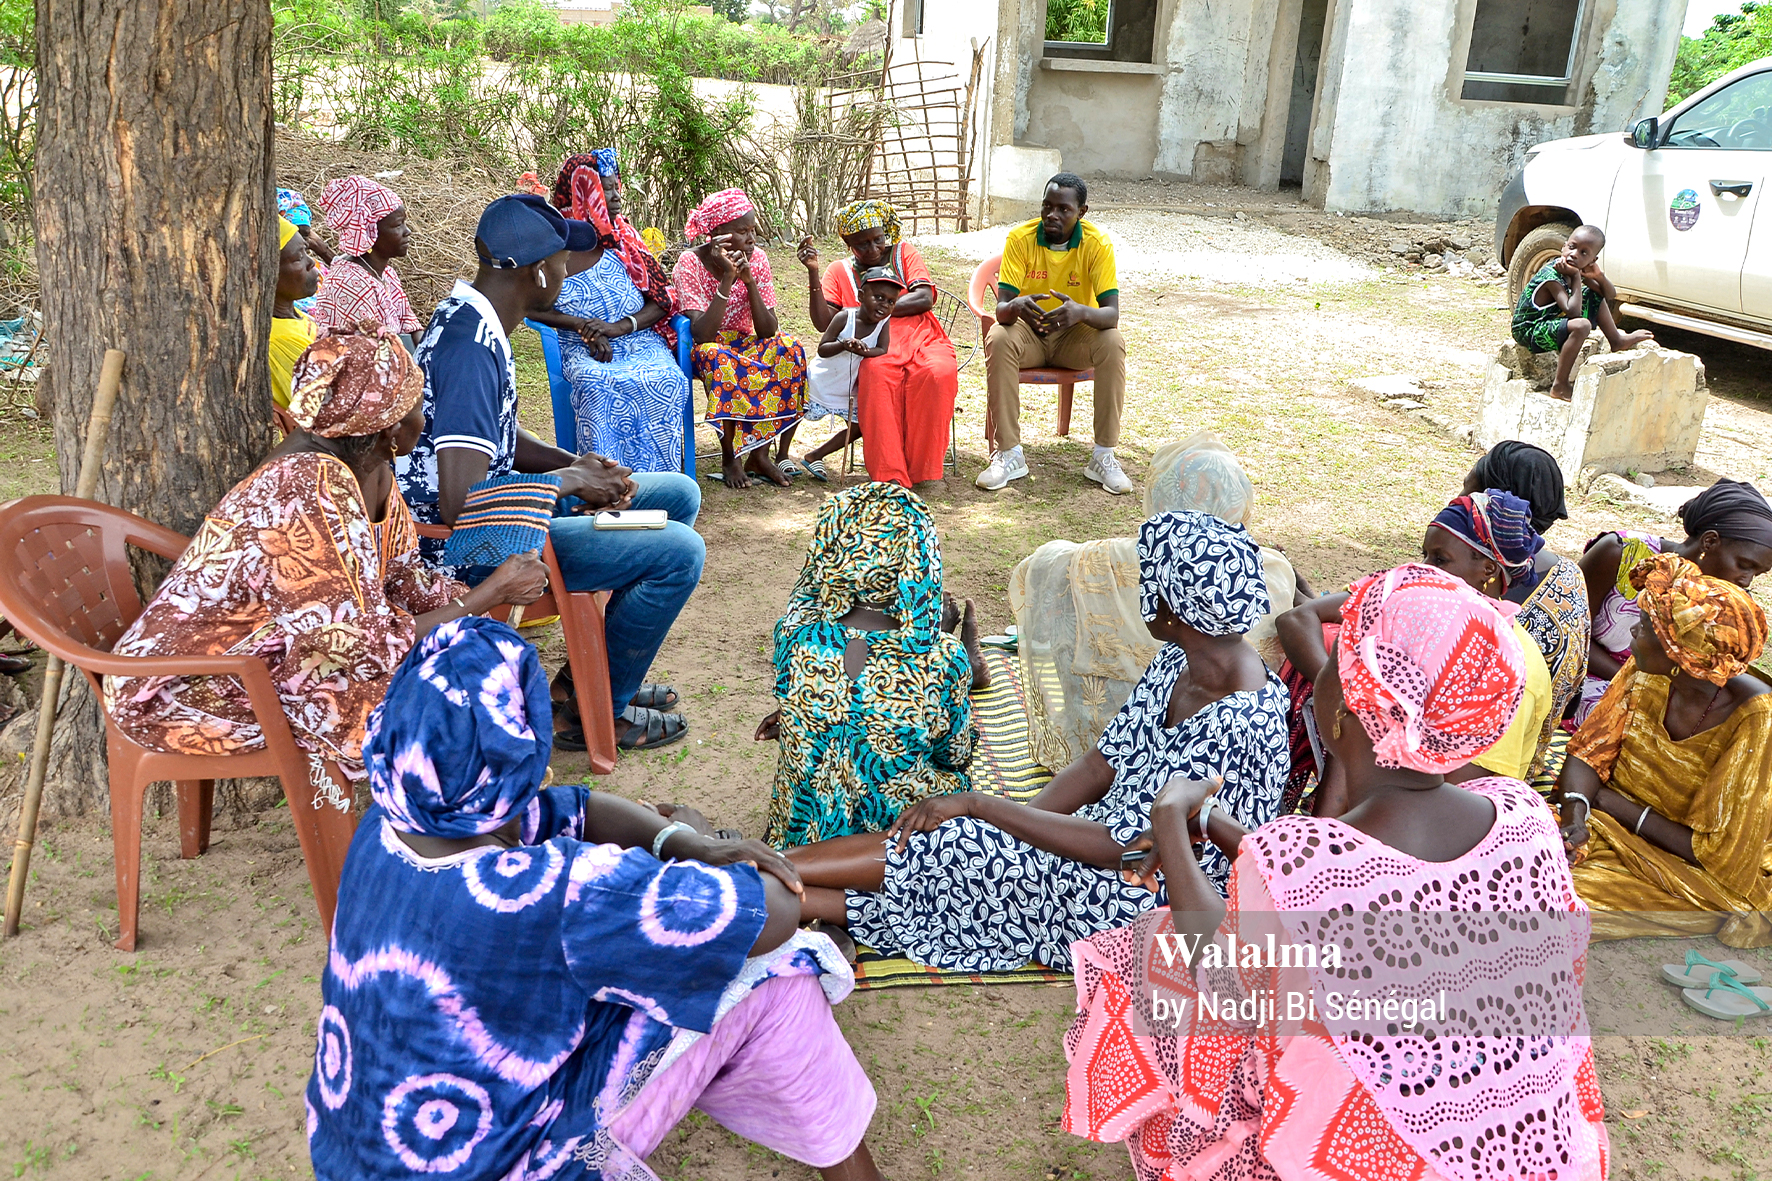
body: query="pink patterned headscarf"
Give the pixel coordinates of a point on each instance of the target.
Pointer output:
(1430, 667)
(353, 205)
(715, 211)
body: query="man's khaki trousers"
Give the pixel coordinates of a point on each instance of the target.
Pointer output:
(1010, 348)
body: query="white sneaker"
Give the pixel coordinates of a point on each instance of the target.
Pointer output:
(1003, 469)
(1106, 472)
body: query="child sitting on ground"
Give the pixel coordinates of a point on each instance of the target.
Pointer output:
(854, 335)
(1563, 302)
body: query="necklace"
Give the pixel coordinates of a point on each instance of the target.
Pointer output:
(1708, 708)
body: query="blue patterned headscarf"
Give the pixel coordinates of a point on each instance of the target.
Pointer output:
(1497, 525)
(874, 543)
(461, 742)
(294, 207)
(1207, 570)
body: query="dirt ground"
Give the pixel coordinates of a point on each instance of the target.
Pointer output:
(186, 1059)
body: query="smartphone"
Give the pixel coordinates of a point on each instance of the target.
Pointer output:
(632, 518)
(1133, 858)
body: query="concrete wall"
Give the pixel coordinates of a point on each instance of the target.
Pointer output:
(1389, 129)
(1067, 111)
(1402, 138)
(1193, 112)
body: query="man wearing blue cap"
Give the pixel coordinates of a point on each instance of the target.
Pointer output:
(471, 434)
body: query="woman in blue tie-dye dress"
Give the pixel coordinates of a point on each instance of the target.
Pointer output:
(518, 986)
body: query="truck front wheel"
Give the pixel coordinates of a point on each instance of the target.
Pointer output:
(1535, 251)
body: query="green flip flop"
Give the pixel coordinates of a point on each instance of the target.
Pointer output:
(1699, 971)
(1728, 1001)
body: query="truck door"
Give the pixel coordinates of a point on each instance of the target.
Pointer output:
(1682, 212)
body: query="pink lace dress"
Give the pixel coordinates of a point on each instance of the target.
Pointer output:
(1305, 1097)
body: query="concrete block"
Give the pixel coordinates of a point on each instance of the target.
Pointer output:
(1635, 411)
(1018, 179)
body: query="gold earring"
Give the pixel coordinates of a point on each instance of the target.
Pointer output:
(1702, 555)
(1340, 713)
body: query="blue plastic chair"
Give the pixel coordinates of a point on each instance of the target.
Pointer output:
(560, 390)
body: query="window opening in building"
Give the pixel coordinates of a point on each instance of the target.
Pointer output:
(1078, 22)
(913, 18)
(1523, 51)
(1101, 30)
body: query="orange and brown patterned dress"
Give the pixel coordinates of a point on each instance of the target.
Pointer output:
(289, 567)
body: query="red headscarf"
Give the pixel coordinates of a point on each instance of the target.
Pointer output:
(716, 210)
(578, 194)
(354, 205)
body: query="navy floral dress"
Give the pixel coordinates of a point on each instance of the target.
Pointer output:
(970, 897)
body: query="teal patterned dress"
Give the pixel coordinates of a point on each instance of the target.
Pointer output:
(1541, 328)
(857, 752)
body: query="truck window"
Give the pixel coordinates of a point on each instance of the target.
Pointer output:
(1739, 117)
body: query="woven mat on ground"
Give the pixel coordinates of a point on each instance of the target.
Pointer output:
(1001, 766)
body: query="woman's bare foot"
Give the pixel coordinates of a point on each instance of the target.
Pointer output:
(1562, 391)
(981, 673)
(732, 472)
(950, 613)
(760, 464)
(1629, 340)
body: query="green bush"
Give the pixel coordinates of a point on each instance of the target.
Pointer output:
(1732, 41)
(530, 31)
(525, 29)
(18, 114)
(1077, 20)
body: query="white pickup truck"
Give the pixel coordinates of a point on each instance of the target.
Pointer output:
(1682, 198)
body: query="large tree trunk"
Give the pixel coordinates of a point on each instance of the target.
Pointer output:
(155, 235)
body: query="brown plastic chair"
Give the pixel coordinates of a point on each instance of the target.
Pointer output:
(982, 296)
(587, 652)
(66, 584)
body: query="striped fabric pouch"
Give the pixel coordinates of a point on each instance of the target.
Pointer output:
(502, 516)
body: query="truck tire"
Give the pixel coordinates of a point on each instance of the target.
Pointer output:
(1537, 248)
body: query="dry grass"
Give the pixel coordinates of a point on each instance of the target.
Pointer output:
(444, 199)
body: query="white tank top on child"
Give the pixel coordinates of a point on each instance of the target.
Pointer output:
(830, 380)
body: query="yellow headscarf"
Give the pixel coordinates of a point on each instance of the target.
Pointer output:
(866, 215)
(285, 231)
(1710, 628)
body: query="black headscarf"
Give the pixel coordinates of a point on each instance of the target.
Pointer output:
(1530, 473)
(1736, 510)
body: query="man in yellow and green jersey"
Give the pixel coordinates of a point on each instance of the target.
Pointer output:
(1058, 303)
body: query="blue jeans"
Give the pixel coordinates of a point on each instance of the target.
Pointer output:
(652, 573)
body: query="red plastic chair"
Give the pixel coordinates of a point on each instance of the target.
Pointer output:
(67, 585)
(587, 652)
(982, 296)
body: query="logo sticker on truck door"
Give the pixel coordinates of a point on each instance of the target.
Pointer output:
(1683, 209)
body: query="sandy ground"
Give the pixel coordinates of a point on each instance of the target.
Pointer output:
(186, 1059)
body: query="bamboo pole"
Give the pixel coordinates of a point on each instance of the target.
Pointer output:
(98, 430)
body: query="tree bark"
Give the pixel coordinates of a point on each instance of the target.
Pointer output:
(155, 235)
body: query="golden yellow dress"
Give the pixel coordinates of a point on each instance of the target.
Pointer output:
(1718, 783)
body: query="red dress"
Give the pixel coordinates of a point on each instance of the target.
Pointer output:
(905, 400)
